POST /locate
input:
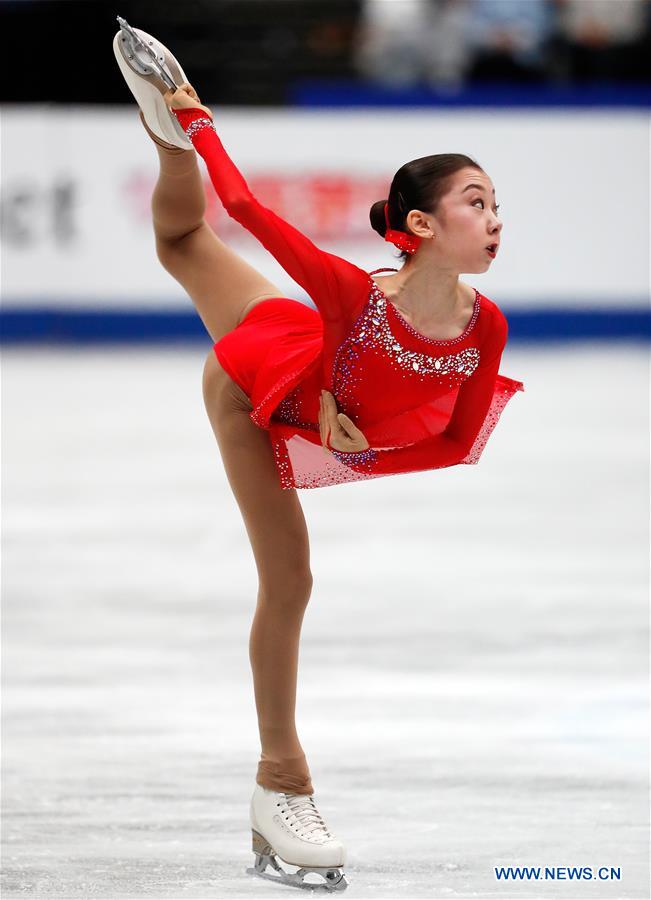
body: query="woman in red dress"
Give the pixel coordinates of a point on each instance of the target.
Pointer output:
(385, 376)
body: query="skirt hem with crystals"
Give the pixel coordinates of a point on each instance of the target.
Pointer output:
(303, 462)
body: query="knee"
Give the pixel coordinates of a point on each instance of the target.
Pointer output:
(291, 589)
(303, 582)
(219, 387)
(213, 377)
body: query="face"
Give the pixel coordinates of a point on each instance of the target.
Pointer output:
(466, 223)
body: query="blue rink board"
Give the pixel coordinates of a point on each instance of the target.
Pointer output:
(151, 325)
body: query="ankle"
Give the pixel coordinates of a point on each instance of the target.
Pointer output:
(181, 164)
(168, 149)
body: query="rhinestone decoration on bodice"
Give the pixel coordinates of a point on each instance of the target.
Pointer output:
(372, 333)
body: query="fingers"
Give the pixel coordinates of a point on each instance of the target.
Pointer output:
(323, 424)
(344, 423)
(338, 431)
(326, 417)
(357, 437)
(176, 99)
(335, 434)
(321, 419)
(332, 412)
(348, 425)
(170, 97)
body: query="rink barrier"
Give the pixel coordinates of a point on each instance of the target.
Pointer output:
(105, 325)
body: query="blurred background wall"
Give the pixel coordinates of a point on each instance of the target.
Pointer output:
(319, 103)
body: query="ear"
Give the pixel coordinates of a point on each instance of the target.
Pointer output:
(419, 223)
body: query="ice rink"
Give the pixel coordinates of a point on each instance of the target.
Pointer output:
(473, 683)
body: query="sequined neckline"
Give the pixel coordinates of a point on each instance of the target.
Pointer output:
(423, 337)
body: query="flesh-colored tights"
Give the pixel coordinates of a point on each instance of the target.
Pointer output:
(273, 517)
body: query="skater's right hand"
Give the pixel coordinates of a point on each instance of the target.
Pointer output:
(185, 97)
(338, 432)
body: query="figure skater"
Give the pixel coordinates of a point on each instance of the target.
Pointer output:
(384, 376)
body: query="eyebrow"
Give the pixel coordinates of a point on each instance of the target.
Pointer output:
(478, 186)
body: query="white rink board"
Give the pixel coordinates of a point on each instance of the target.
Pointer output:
(573, 189)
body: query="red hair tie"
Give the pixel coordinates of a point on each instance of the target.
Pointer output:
(402, 240)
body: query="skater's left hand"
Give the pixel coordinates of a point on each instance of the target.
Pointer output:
(185, 97)
(338, 432)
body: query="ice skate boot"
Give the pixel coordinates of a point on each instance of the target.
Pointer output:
(289, 827)
(150, 70)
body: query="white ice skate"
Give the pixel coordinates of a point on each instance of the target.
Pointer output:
(290, 827)
(150, 70)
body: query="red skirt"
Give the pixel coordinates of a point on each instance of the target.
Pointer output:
(274, 347)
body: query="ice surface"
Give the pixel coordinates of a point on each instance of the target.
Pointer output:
(473, 682)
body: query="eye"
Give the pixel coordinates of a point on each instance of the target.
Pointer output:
(479, 200)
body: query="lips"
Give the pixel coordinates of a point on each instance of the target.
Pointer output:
(492, 250)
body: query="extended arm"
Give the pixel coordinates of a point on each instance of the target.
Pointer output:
(332, 282)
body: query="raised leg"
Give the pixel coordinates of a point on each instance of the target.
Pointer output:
(277, 530)
(222, 286)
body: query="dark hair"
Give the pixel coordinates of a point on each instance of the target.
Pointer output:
(419, 184)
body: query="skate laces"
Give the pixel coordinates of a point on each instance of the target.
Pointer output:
(306, 815)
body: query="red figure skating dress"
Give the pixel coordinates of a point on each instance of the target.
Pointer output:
(421, 403)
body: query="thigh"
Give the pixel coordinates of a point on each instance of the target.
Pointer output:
(272, 515)
(222, 286)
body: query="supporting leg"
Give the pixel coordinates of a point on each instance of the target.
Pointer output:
(277, 530)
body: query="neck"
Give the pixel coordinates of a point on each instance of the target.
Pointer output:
(429, 295)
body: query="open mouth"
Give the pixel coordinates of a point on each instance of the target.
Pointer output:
(492, 250)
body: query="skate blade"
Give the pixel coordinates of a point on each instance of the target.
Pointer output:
(335, 880)
(148, 83)
(140, 54)
(333, 877)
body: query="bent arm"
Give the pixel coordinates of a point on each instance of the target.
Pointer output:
(451, 446)
(332, 282)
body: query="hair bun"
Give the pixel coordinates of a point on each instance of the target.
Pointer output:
(376, 216)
